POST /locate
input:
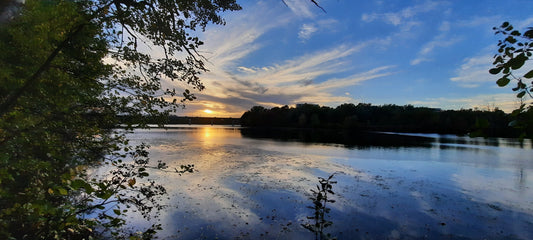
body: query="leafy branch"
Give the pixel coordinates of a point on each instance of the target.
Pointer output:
(513, 52)
(320, 201)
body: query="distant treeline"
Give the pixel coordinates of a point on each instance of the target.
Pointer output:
(367, 117)
(203, 120)
(172, 119)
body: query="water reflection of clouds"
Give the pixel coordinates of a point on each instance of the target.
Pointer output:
(230, 176)
(255, 186)
(210, 191)
(487, 186)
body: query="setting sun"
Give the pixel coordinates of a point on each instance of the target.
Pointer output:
(208, 111)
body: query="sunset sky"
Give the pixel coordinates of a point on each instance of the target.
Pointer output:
(424, 53)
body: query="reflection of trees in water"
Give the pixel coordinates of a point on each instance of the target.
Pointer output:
(320, 201)
(350, 139)
(257, 189)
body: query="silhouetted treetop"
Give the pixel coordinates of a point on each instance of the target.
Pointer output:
(389, 117)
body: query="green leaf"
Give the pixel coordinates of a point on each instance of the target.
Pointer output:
(529, 74)
(511, 39)
(495, 70)
(506, 70)
(117, 211)
(502, 82)
(521, 94)
(497, 59)
(518, 61)
(104, 194)
(62, 191)
(79, 183)
(516, 112)
(529, 34)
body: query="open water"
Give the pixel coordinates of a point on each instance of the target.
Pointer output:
(256, 184)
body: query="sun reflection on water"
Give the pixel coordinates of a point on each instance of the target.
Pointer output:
(207, 132)
(257, 186)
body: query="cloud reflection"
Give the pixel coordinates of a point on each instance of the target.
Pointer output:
(247, 187)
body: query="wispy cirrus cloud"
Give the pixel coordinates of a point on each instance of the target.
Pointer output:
(504, 101)
(476, 21)
(309, 29)
(227, 44)
(275, 54)
(355, 79)
(308, 66)
(302, 8)
(306, 31)
(301, 79)
(404, 18)
(474, 71)
(233, 85)
(439, 41)
(525, 23)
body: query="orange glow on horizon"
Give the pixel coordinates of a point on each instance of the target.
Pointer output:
(215, 113)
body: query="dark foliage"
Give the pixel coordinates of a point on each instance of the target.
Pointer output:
(321, 201)
(514, 51)
(366, 117)
(68, 69)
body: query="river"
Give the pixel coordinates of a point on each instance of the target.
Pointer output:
(413, 186)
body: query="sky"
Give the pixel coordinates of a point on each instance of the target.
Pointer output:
(419, 52)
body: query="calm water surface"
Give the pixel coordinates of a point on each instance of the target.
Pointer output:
(425, 186)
